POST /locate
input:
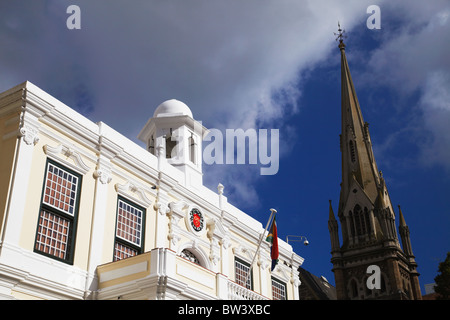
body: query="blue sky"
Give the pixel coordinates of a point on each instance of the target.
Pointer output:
(264, 65)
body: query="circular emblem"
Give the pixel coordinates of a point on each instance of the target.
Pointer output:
(196, 219)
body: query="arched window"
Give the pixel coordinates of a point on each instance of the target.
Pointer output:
(359, 225)
(353, 289)
(361, 221)
(383, 284)
(171, 143)
(187, 254)
(367, 220)
(352, 224)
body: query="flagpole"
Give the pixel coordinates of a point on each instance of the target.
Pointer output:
(272, 213)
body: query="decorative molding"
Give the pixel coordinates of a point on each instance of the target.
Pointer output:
(56, 152)
(103, 171)
(175, 213)
(282, 272)
(243, 253)
(263, 262)
(29, 134)
(214, 254)
(178, 207)
(131, 189)
(225, 242)
(104, 175)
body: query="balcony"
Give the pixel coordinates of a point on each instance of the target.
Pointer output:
(161, 274)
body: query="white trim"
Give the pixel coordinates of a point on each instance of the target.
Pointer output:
(129, 191)
(77, 165)
(41, 276)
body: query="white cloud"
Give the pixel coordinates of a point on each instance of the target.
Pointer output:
(237, 64)
(413, 60)
(435, 103)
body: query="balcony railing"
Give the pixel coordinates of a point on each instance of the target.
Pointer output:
(238, 292)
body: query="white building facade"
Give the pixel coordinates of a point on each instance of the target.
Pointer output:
(86, 213)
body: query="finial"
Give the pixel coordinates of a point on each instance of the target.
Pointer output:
(340, 35)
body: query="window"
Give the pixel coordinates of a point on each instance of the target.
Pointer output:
(129, 230)
(278, 290)
(352, 151)
(151, 146)
(192, 149)
(241, 271)
(171, 143)
(58, 213)
(353, 289)
(187, 254)
(361, 221)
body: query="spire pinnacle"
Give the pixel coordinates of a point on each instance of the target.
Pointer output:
(331, 213)
(340, 36)
(402, 219)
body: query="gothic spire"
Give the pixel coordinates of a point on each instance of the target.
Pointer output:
(358, 163)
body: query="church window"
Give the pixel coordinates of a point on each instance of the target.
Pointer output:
(367, 220)
(358, 222)
(353, 288)
(367, 290)
(382, 284)
(129, 230)
(361, 221)
(278, 290)
(58, 213)
(352, 151)
(241, 271)
(352, 224)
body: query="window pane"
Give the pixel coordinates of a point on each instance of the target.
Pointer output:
(53, 234)
(241, 272)
(278, 290)
(60, 189)
(122, 251)
(129, 223)
(189, 256)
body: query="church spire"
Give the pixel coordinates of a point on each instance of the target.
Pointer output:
(358, 163)
(365, 212)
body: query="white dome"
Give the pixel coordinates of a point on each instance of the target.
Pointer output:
(172, 107)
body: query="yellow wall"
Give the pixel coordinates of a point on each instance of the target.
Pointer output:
(7, 147)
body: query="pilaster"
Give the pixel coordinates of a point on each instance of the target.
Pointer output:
(27, 138)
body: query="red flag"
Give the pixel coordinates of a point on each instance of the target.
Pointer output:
(273, 238)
